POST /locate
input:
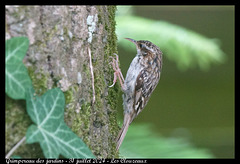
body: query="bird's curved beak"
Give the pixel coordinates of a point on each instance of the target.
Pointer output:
(132, 40)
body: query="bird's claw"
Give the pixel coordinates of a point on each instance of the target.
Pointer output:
(117, 71)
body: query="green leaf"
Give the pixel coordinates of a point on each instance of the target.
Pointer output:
(54, 136)
(183, 46)
(142, 142)
(16, 75)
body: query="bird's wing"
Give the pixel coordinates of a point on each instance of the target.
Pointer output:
(144, 86)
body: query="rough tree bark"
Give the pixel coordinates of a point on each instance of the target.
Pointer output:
(63, 40)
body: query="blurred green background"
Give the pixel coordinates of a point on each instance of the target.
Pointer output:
(194, 102)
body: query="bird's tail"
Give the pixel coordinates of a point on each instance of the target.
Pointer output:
(123, 131)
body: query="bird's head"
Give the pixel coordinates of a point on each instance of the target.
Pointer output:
(144, 47)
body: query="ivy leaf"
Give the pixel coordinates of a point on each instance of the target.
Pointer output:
(54, 136)
(16, 75)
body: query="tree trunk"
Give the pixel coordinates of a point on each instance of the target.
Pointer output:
(70, 48)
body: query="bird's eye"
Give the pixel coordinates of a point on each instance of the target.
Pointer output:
(141, 46)
(144, 53)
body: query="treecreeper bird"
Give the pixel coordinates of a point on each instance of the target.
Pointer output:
(142, 78)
